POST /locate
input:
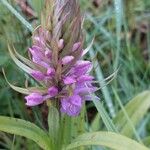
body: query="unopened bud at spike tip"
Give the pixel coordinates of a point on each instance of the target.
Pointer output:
(76, 46)
(61, 44)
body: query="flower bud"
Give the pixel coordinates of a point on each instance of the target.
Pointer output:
(76, 46)
(48, 53)
(61, 44)
(67, 59)
(34, 99)
(50, 71)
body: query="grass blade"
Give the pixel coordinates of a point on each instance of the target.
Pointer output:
(21, 18)
(108, 139)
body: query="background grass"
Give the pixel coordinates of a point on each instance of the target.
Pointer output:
(122, 39)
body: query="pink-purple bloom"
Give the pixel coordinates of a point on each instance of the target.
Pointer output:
(72, 88)
(71, 105)
(34, 99)
(53, 91)
(57, 63)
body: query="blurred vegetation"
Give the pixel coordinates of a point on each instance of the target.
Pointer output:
(122, 39)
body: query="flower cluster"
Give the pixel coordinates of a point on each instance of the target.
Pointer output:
(56, 57)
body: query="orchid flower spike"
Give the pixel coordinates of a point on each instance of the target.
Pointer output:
(56, 59)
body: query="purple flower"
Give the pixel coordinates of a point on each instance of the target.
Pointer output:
(67, 59)
(56, 59)
(76, 46)
(74, 85)
(69, 80)
(71, 105)
(85, 78)
(61, 44)
(53, 91)
(38, 75)
(48, 53)
(34, 99)
(50, 71)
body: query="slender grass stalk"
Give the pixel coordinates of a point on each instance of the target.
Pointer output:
(105, 90)
(105, 117)
(118, 12)
(127, 117)
(13, 142)
(21, 18)
(148, 42)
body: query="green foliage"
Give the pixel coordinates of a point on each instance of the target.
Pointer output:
(135, 109)
(108, 139)
(117, 43)
(26, 129)
(53, 123)
(28, 25)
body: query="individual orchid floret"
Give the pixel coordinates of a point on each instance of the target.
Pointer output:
(34, 99)
(76, 46)
(53, 91)
(67, 60)
(56, 59)
(71, 105)
(37, 75)
(69, 80)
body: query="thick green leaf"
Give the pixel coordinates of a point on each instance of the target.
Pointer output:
(71, 127)
(146, 141)
(78, 124)
(53, 123)
(136, 109)
(26, 129)
(65, 130)
(95, 126)
(127, 117)
(107, 139)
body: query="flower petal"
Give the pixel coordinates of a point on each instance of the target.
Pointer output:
(71, 105)
(50, 71)
(69, 80)
(34, 99)
(38, 75)
(53, 91)
(67, 59)
(85, 78)
(76, 46)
